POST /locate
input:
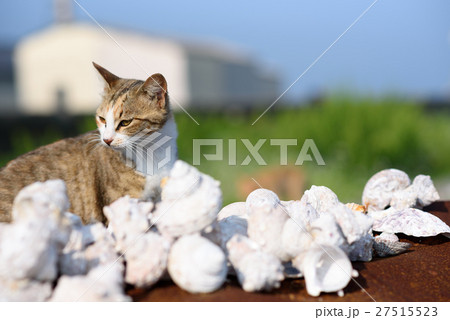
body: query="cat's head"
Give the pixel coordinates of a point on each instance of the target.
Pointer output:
(130, 107)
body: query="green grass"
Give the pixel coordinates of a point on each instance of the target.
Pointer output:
(356, 137)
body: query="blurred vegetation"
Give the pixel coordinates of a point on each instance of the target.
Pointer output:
(356, 137)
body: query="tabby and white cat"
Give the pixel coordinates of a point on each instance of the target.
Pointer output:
(102, 166)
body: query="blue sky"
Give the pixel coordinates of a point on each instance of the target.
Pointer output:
(398, 47)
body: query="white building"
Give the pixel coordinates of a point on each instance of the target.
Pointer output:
(53, 70)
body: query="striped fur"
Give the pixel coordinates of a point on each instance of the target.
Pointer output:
(95, 173)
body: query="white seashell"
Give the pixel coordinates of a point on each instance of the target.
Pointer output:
(104, 283)
(412, 222)
(388, 244)
(146, 259)
(230, 226)
(196, 264)
(261, 198)
(256, 270)
(295, 238)
(326, 231)
(24, 290)
(102, 251)
(233, 209)
(303, 213)
(265, 227)
(425, 190)
(325, 268)
(30, 245)
(89, 246)
(321, 198)
(404, 199)
(128, 218)
(190, 201)
(379, 189)
(41, 200)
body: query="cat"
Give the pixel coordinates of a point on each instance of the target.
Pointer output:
(103, 165)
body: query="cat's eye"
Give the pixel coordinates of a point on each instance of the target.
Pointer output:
(124, 123)
(102, 120)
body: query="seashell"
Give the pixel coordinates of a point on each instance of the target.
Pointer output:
(412, 222)
(128, 218)
(24, 290)
(256, 270)
(388, 244)
(233, 209)
(426, 191)
(356, 207)
(325, 268)
(190, 201)
(379, 189)
(326, 231)
(230, 226)
(196, 264)
(41, 200)
(295, 238)
(108, 286)
(30, 245)
(102, 251)
(261, 198)
(321, 198)
(146, 259)
(361, 250)
(357, 229)
(303, 213)
(265, 227)
(404, 199)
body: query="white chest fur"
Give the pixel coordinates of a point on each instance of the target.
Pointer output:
(154, 156)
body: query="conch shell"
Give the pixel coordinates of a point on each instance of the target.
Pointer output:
(196, 264)
(388, 244)
(325, 268)
(256, 270)
(190, 201)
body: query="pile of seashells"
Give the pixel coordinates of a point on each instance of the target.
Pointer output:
(47, 254)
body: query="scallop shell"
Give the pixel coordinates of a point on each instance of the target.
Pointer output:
(379, 189)
(196, 264)
(388, 244)
(412, 222)
(256, 270)
(325, 268)
(190, 201)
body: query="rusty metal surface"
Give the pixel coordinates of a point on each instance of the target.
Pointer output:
(421, 274)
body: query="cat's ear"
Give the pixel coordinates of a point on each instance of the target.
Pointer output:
(111, 79)
(156, 87)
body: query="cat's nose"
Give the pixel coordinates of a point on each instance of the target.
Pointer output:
(108, 141)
